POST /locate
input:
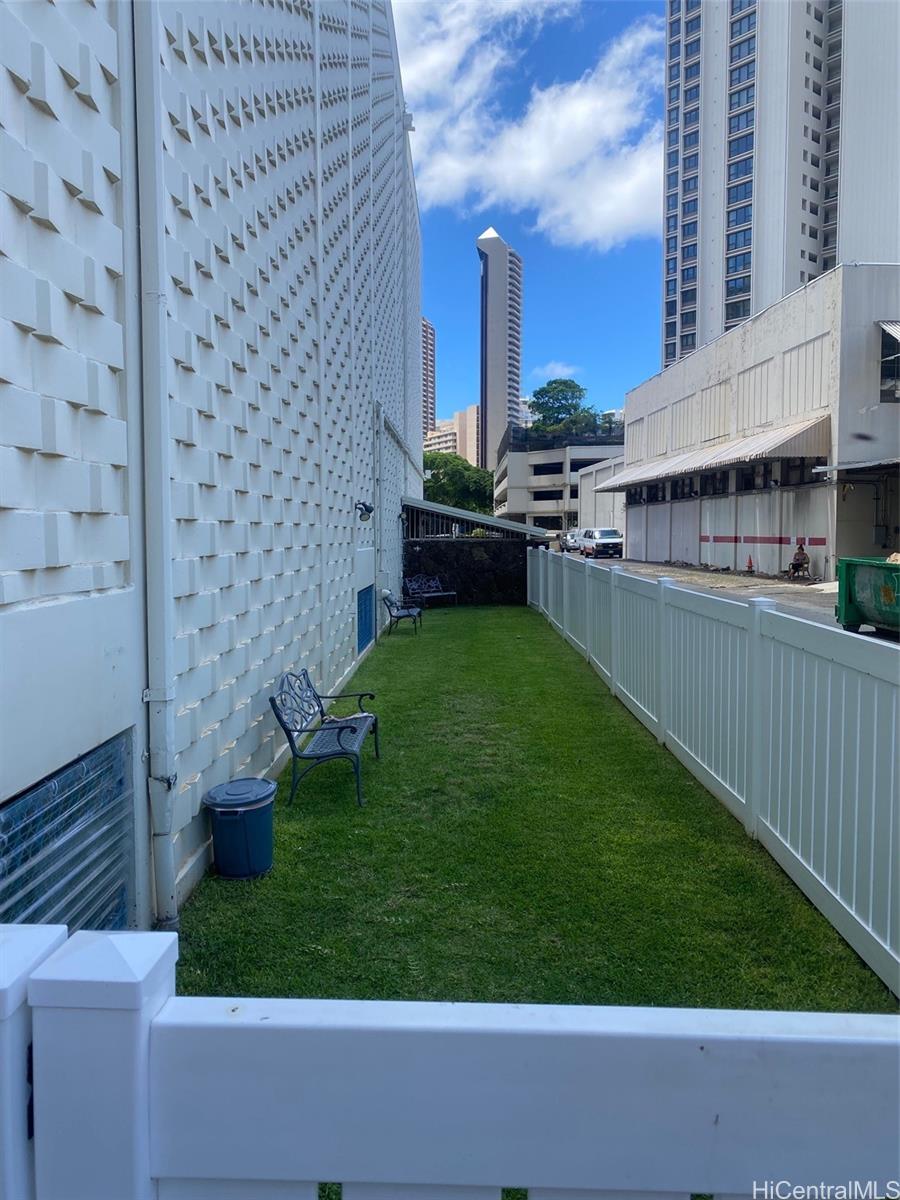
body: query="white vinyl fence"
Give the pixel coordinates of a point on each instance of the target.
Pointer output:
(791, 724)
(141, 1095)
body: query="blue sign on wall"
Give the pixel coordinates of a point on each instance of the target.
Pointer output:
(365, 617)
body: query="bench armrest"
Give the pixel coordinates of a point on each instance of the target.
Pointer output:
(358, 696)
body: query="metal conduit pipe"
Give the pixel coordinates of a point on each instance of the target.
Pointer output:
(160, 692)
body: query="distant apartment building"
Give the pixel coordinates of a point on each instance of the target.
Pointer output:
(501, 342)
(537, 476)
(457, 435)
(783, 430)
(428, 387)
(782, 154)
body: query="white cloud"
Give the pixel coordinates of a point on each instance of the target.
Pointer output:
(555, 370)
(583, 157)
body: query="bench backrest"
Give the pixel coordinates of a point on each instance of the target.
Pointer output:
(417, 584)
(297, 705)
(391, 603)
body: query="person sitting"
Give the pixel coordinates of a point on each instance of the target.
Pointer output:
(799, 564)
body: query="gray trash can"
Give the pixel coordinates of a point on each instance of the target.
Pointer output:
(241, 814)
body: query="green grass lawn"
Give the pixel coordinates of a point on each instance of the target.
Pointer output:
(524, 839)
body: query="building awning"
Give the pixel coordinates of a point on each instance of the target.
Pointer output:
(891, 327)
(802, 439)
(474, 518)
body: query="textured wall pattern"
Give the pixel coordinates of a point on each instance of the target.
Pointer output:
(291, 299)
(290, 353)
(64, 524)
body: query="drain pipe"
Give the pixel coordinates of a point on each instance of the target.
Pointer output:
(160, 693)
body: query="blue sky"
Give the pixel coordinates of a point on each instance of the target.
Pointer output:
(543, 119)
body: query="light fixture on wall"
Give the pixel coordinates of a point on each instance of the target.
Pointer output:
(365, 510)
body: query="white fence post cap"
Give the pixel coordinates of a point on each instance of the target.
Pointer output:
(104, 970)
(22, 947)
(762, 602)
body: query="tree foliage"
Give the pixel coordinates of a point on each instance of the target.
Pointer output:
(557, 401)
(456, 482)
(559, 408)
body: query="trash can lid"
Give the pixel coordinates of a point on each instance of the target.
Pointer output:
(239, 793)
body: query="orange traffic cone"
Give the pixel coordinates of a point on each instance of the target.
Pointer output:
(749, 565)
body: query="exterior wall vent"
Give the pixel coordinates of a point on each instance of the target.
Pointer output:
(66, 844)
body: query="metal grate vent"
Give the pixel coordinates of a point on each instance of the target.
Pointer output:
(66, 844)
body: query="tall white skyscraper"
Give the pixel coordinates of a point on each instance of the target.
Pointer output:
(501, 342)
(782, 153)
(428, 387)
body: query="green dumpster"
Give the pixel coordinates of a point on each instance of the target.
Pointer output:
(868, 594)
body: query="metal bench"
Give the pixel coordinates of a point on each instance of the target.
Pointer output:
(426, 587)
(398, 611)
(300, 712)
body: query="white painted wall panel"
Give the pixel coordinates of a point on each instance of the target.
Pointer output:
(686, 531)
(658, 532)
(717, 531)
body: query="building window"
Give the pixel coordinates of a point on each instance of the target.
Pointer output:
(673, 94)
(688, 342)
(683, 488)
(742, 49)
(674, 71)
(670, 351)
(737, 310)
(674, 29)
(671, 308)
(737, 170)
(671, 203)
(737, 262)
(740, 216)
(548, 468)
(692, 117)
(689, 320)
(692, 26)
(674, 50)
(692, 72)
(714, 483)
(743, 25)
(742, 96)
(689, 252)
(735, 241)
(671, 265)
(737, 287)
(692, 94)
(740, 191)
(692, 48)
(689, 229)
(672, 245)
(689, 296)
(671, 329)
(671, 222)
(690, 139)
(671, 159)
(690, 185)
(672, 137)
(671, 181)
(689, 207)
(740, 145)
(690, 163)
(743, 120)
(553, 494)
(890, 369)
(688, 274)
(738, 6)
(671, 287)
(742, 74)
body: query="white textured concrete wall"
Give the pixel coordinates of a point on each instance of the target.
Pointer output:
(287, 250)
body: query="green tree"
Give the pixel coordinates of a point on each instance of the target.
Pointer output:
(456, 482)
(558, 401)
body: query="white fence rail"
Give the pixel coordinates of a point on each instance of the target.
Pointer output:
(791, 724)
(140, 1095)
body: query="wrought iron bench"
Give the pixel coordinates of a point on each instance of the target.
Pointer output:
(426, 587)
(398, 611)
(300, 712)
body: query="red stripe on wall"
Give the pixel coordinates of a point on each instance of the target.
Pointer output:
(725, 537)
(704, 537)
(816, 542)
(752, 539)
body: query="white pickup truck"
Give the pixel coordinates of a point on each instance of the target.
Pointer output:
(601, 543)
